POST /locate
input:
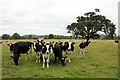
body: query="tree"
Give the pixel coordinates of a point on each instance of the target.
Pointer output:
(90, 24)
(5, 36)
(16, 36)
(30, 37)
(51, 36)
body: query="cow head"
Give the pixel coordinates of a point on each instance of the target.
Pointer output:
(47, 48)
(10, 48)
(59, 42)
(37, 44)
(87, 43)
(69, 46)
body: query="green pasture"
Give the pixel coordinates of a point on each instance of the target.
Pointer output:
(100, 61)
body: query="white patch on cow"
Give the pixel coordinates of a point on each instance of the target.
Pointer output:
(40, 43)
(47, 46)
(69, 45)
(48, 60)
(34, 45)
(43, 61)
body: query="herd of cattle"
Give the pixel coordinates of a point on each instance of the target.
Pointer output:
(44, 50)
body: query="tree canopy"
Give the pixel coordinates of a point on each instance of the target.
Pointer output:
(90, 24)
(51, 36)
(16, 36)
(5, 36)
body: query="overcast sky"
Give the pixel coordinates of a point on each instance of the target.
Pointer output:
(49, 16)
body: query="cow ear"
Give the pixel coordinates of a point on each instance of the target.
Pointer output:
(34, 41)
(44, 44)
(66, 42)
(73, 42)
(8, 44)
(53, 41)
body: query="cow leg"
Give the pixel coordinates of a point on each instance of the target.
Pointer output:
(80, 51)
(55, 59)
(48, 60)
(60, 58)
(66, 54)
(30, 52)
(66, 59)
(16, 58)
(83, 51)
(43, 60)
(69, 57)
(69, 60)
(86, 50)
(26, 57)
(37, 57)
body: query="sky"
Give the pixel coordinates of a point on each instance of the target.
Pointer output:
(44, 17)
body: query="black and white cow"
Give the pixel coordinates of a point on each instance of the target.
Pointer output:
(21, 47)
(68, 48)
(116, 41)
(47, 50)
(37, 46)
(83, 45)
(57, 50)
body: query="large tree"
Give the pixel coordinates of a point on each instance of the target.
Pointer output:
(90, 24)
(16, 36)
(51, 36)
(5, 36)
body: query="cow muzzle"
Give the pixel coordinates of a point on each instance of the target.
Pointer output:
(69, 49)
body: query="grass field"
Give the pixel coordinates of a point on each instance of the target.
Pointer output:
(100, 61)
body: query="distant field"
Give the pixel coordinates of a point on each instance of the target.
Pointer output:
(100, 61)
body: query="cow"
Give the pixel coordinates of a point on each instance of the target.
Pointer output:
(21, 47)
(116, 41)
(10, 49)
(57, 50)
(47, 50)
(37, 46)
(83, 45)
(68, 48)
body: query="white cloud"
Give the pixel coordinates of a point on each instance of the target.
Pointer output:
(49, 16)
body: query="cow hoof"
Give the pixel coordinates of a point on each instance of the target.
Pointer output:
(63, 64)
(16, 64)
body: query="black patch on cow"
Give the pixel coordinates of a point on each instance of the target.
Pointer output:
(57, 50)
